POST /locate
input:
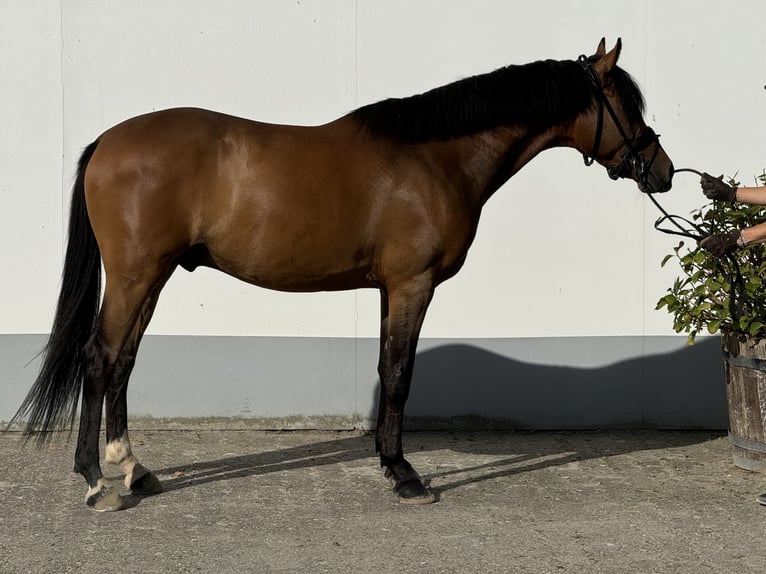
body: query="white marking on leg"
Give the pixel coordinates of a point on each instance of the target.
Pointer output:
(119, 452)
(101, 484)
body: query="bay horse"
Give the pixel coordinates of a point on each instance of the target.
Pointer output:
(386, 197)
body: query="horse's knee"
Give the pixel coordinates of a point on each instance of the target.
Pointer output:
(395, 378)
(396, 389)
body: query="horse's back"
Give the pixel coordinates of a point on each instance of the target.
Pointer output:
(259, 197)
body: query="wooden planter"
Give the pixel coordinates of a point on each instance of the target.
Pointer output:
(745, 364)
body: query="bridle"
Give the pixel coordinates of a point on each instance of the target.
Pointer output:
(631, 159)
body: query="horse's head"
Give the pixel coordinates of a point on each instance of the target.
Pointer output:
(620, 140)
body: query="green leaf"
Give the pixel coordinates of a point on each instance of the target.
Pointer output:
(700, 291)
(713, 327)
(667, 300)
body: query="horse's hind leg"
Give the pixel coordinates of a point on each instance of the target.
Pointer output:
(403, 310)
(109, 359)
(138, 479)
(100, 495)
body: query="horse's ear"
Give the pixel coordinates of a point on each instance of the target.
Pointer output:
(609, 60)
(601, 50)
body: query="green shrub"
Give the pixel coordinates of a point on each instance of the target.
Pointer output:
(726, 294)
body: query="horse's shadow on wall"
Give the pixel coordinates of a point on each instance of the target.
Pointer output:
(677, 390)
(689, 379)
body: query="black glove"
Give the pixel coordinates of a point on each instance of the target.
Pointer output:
(719, 244)
(717, 190)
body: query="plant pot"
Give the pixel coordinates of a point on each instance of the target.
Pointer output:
(745, 365)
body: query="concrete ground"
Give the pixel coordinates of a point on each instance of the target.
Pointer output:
(254, 501)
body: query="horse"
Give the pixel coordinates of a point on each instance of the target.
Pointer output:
(386, 197)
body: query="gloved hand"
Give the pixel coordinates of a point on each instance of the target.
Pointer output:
(717, 190)
(719, 244)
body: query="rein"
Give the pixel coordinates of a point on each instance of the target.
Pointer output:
(699, 232)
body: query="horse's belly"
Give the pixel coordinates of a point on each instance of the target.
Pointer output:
(302, 266)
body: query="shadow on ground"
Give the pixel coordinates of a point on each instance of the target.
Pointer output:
(512, 453)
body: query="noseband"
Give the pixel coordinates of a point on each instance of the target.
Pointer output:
(631, 157)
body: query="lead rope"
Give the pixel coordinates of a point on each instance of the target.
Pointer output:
(734, 277)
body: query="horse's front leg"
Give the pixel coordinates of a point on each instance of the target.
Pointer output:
(402, 312)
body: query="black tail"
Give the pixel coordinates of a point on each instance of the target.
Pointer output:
(52, 401)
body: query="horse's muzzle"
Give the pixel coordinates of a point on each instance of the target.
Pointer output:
(655, 181)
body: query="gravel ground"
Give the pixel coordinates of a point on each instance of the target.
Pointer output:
(254, 501)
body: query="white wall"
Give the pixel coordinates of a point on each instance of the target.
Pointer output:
(561, 250)
(31, 134)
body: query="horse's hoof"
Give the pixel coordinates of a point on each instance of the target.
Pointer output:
(145, 484)
(413, 492)
(105, 500)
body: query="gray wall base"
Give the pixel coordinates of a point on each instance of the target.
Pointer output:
(540, 383)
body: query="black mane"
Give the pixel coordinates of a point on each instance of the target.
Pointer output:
(536, 96)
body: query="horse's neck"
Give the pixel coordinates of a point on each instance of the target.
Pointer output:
(490, 158)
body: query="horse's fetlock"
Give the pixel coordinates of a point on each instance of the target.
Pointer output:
(118, 451)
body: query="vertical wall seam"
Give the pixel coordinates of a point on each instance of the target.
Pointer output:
(63, 127)
(356, 291)
(644, 242)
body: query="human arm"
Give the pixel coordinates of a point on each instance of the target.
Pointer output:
(757, 233)
(751, 195)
